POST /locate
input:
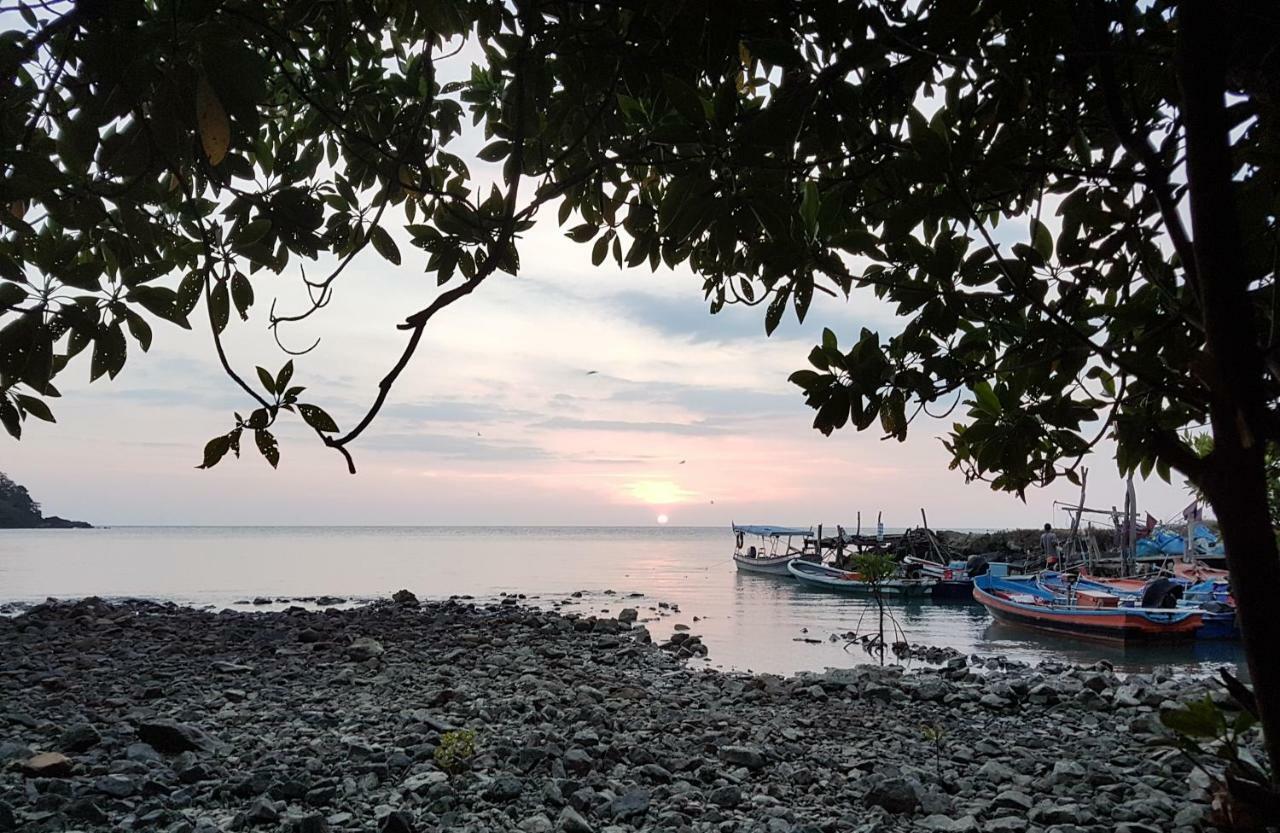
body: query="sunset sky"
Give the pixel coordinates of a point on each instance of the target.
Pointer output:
(498, 422)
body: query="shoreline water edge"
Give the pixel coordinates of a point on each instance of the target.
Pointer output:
(404, 716)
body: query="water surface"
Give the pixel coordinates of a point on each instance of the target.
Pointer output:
(748, 621)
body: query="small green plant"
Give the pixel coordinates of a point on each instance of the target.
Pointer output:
(874, 568)
(935, 734)
(455, 751)
(1214, 738)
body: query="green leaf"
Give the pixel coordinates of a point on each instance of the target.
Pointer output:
(139, 329)
(267, 380)
(162, 302)
(581, 233)
(109, 352)
(219, 306)
(384, 245)
(283, 377)
(1041, 239)
(215, 450)
(9, 417)
(36, 407)
(809, 208)
(987, 400)
(495, 151)
(1198, 719)
(267, 445)
(11, 295)
(684, 97)
(241, 294)
(318, 419)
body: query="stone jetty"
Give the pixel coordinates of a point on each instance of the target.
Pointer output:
(404, 716)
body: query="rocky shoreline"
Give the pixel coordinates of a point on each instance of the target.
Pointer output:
(140, 715)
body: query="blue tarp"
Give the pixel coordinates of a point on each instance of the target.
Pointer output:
(772, 531)
(1171, 542)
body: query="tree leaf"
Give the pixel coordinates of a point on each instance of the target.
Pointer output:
(9, 417)
(215, 450)
(1041, 239)
(139, 329)
(241, 294)
(267, 445)
(36, 407)
(318, 419)
(219, 306)
(384, 244)
(212, 122)
(986, 398)
(283, 377)
(809, 208)
(267, 380)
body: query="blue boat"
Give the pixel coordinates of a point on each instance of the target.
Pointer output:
(1211, 598)
(1025, 601)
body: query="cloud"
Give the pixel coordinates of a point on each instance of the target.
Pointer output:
(694, 429)
(453, 447)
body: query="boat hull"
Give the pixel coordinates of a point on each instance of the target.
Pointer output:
(1116, 624)
(830, 578)
(768, 566)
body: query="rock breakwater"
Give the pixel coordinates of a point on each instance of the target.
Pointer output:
(140, 715)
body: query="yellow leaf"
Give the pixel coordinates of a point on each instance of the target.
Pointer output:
(211, 119)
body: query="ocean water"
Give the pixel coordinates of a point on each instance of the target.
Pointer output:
(748, 622)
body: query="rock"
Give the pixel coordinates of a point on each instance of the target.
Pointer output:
(79, 738)
(628, 614)
(313, 823)
(1005, 824)
(504, 788)
(728, 796)
(397, 821)
(83, 809)
(364, 648)
(897, 795)
(116, 786)
(946, 824)
(1066, 772)
(172, 737)
(536, 824)
(571, 821)
(8, 821)
(47, 765)
(631, 804)
(261, 600)
(745, 756)
(404, 598)
(1013, 800)
(330, 601)
(262, 811)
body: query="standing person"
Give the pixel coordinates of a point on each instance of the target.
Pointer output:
(1049, 543)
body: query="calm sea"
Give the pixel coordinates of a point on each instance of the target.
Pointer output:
(748, 622)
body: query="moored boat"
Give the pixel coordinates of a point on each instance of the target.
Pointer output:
(774, 549)
(1210, 597)
(848, 581)
(1023, 600)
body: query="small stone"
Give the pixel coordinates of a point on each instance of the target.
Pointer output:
(172, 737)
(728, 796)
(364, 648)
(504, 788)
(313, 823)
(262, 811)
(571, 821)
(946, 824)
(47, 765)
(397, 821)
(628, 614)
(79, 738)
(1013, 800)
(744, 756)
(116, 786)
(631, 804)
(896, 795)
(404, 598)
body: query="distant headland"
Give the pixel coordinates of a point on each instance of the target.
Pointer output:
(19, 511)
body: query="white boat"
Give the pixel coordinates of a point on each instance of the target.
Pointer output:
(768, 549)
(846, 581)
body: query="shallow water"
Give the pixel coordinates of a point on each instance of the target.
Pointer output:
(747, 621)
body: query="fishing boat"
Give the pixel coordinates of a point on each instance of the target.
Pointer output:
(768, 549)
(1211, 597)
(1024, 600)
(849, 581)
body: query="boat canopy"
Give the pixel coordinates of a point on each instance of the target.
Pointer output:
(772, 531)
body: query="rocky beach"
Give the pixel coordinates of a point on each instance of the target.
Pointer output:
(403, 716)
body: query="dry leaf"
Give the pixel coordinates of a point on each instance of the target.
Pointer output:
(211, 119)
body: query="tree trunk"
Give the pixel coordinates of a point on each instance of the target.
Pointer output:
(1234, 478)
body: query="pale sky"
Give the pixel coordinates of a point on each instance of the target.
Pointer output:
(497, 422)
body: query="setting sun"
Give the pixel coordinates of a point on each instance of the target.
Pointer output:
(662, 519)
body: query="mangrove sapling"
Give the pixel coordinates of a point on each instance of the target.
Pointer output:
(935, 733)
(456, 750)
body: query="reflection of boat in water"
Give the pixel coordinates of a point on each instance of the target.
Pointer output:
(774, 549)
(846, 581)
(1024, 601)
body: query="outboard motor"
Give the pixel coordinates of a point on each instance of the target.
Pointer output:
(1161, 593)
